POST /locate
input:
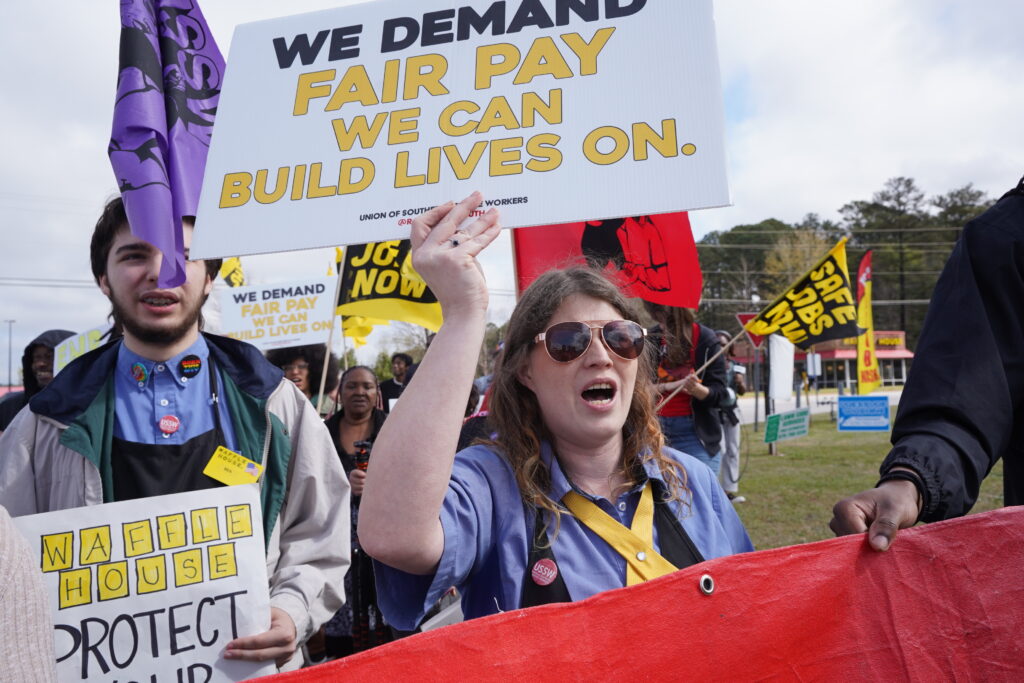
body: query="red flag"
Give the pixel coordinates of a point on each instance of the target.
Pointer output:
(945, 603)
(651, 257)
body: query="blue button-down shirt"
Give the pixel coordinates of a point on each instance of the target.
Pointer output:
(166, 391)
(488, 533)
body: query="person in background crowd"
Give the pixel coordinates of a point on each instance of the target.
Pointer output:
(415, 366)
(690, 419)
(483, 383)
(358, 625)
(962, 408)
(575, 426)
(391, 389)
(37, 371)
(26, 627)
(304, 365)
(735, 386)
(142, 415)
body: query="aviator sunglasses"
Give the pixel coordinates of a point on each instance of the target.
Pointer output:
(567, 341)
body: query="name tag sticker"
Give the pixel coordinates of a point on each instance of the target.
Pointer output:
(232, 468)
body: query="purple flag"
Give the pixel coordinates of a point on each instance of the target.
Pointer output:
(168, 84)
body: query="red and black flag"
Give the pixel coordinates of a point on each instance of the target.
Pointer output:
(650, 257)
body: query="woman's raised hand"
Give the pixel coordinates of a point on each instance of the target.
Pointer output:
(445, 254)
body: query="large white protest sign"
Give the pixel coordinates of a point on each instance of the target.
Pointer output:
(153, 589)
(279, 315)
(339, 127)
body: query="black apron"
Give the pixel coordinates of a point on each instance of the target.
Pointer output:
(675, 544)
(141, 470)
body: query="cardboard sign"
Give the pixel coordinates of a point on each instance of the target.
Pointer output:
(78, 345)
(341, 126)
(863, 414)
(788, 425)
(279, 315)
(153, 589)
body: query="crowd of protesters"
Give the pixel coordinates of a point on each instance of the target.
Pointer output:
(589, 461)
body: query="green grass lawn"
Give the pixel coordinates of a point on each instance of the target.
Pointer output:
(790, 497)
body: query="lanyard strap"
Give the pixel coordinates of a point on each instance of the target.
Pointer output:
(636, 544)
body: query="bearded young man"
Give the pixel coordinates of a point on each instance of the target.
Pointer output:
(142, 416)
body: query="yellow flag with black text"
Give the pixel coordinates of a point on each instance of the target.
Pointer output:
(378, 281)
(231, 272)
(816, 308)
(868, 378)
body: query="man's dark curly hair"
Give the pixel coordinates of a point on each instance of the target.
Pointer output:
(314, 355)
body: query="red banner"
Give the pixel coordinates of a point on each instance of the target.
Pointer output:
(945, 603)
(651, 257)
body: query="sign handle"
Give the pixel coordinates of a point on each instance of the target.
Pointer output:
(700, 370)
(330, 342)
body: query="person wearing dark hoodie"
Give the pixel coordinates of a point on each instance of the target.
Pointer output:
(37, 371)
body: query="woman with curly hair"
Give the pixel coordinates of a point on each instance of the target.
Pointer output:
(303, 365)
(577, 465)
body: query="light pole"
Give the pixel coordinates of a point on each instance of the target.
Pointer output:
(10, 352)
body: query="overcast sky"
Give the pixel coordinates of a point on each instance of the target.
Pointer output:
(824, 101)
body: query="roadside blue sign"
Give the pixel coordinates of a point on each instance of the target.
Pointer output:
(863, 414)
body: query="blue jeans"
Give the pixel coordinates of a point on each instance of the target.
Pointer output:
(680, 435)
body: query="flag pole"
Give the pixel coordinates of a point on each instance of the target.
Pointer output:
(330, 341)
(700, 370)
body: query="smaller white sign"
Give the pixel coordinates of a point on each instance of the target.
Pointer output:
(279, 315)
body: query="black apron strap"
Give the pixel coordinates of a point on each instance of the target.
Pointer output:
(542, 582)
(674, 544)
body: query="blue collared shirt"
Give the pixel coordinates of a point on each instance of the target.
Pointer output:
(488, 533)
(165, 390)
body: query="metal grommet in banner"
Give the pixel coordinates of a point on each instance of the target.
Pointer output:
(707, 584)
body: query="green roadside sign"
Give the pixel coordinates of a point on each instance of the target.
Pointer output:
(789, 425)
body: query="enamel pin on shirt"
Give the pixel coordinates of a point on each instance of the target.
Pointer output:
(190, 366)
(139, 373)
(169, 424)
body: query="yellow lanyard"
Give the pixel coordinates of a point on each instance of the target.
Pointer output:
(636, 544)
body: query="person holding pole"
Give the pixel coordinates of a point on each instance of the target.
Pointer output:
(575, 495)
(689, 411)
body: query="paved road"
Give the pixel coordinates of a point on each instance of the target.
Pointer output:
(823, 404)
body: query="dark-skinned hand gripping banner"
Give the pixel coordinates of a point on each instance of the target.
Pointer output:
(817, 307)
(944, 603)
(650, 257)
(378, 281)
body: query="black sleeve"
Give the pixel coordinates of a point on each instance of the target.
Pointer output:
(959, 410)
(715, 375)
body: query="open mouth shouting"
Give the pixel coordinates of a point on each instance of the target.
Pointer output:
(599, 393)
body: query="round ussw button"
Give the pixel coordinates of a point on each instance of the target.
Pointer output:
(169, 424)
(544, 572)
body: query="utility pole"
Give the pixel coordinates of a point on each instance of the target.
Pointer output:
(10, 353)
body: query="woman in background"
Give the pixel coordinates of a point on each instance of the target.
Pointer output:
(304, 365)
(358, 625)
(690, 419)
